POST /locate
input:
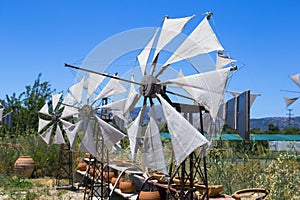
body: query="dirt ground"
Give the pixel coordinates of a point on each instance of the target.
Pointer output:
(43, 189)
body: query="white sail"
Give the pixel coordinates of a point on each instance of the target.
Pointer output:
(110, 134)
(55, 100)
(289, 101)
(134, 133)
(93, 82)
(76, 90)
(45, 109)
(295, 78)
(58, 138)
(170, 29)
(252, 96)
(121, 108)
(68, 100)
(72, 131)
(223, 60)
(43, 123)
(47, 135)
(131, 100)
(152, 154)
(116, 108)
(1, 113)
(206, 88)
(185, 138)
(88, 144)
(143, 57)
(65, 123)
(113, 87)
(201, 40)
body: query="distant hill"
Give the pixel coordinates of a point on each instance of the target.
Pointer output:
(281, 122)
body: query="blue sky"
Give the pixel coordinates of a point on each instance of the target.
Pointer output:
(40, 36)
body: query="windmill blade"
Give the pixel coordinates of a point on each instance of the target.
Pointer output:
(68, 100)
(295, 78)
(43, 123)
(72, 131)
(45, 110)
(58, 138)
(134, 132)
(55, 100)
(1, 113)
(223, 60)
(185, 138)
(116, 108)
(88, 144)
(46, 136)
(93, 82)
(202, 40)
(110, 134)
(143, 57)
(289, 101)
(207, 88)
(152, 154)
(170, 29)
(69, 111)
(252, 96)
(132, 99)
(66, 124)
(76, 90)
(113, 87)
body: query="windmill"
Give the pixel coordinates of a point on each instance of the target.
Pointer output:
(51, 129)
(203, 92)
(96, 134)
(290, 100)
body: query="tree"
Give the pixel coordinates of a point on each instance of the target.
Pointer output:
(273, 129)
(25, 107)
(291, 130)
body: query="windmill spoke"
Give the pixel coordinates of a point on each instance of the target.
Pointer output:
(102, 74)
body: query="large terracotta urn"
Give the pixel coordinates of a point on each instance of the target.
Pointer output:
(24, 166)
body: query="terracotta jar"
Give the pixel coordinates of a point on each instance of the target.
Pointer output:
(107, 176)
(24, 166)
(114, 179)
(82, 166)
(149, 195)
(127, 186)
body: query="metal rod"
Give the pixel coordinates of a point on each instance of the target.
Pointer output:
(102, 74)
(289, 91)
(180, 95)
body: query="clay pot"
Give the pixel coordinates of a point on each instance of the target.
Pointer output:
(177, 181)
(127, 186)
(160, 177)
(107, 176)
(149, 195)
(82, 166)
(114, 179)
(93, 172)
(213, 190)
(24, 166)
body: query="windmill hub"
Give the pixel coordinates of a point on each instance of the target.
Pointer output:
(87, 111)
(55, 117)
(150, 86)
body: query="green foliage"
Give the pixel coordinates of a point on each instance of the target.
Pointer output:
(291, 130)
(25, 107)
(282, 177)
(273, 129)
